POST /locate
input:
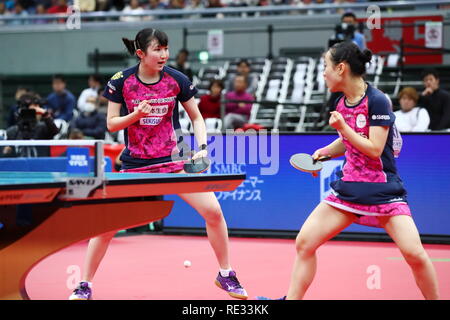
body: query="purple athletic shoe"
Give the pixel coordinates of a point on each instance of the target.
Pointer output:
(231, 285)
(82, 292)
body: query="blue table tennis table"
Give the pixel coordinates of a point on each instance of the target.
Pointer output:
(43, 212)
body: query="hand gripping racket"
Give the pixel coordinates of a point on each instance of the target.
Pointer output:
(198, 165)
(304, 162)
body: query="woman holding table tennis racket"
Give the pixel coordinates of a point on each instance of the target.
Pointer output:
(369, 190)
(143, 100)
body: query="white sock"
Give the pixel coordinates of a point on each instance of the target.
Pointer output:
(225, 272)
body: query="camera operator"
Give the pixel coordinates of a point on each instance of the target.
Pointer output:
(349, 29)
(33, 123)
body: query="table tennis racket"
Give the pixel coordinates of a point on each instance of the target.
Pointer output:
(198, 165)
(305, 162)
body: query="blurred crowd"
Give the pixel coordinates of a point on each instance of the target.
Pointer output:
(23, 8)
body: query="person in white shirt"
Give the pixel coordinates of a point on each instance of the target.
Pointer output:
(88, 97)
(410, 117)
(133, 8)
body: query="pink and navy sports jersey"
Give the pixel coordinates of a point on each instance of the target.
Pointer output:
(364, 180)
(153, 139)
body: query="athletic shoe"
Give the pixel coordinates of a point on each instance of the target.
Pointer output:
(265, 298)
(231, 285)
(82, 292)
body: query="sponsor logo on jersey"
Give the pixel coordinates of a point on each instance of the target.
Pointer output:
(111, 87)
(361, 121)
(162, 100)
(150, 121)
(381, 117)
(118, 75)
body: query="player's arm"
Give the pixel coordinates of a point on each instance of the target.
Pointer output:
(372, 147)
(335, 149)
(115, 122)
(199, 125)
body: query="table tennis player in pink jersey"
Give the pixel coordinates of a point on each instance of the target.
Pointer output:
(143, 100)
(369, 190)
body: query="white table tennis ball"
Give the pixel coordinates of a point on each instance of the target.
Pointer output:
(187, 263)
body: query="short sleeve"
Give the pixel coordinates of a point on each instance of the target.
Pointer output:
(113, 89)
(187, 89)
(380, 113)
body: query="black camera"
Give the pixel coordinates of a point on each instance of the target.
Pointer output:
(342, 32)
(26, 117)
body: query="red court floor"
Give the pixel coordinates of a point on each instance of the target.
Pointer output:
(151, 267)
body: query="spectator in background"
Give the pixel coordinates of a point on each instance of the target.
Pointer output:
(90, 122)
(243, 68)
(436, 101)
(155, 5)
(19, 11)
(209, 104)
(195, 5)
(85, 5)
(176, 5)
(214, 4)
(33, 122)
(61, 101)
(349, 19)
(40, 9)
(182, 64)
(76, 134)
(3, 12)
(410, 117)
(133, 8)
(90, 95)
(12, 114)
(59, 7)
(238, 113)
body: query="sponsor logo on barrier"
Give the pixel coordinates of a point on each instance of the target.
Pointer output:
(217, 186)
(81, 182)
(327, 175)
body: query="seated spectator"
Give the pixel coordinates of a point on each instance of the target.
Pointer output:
(436, 101)
(155, 5)
(90, 122)
(133, 8)
(19, 11)
(85, 5)
(244, 68)
(182, 65)
(76, 134)
(33, 123)
(40, 10)
(214, 4)
(195, 5)
(59, 7)
(61, 102)
(238, 113)
(410, 117)
(90, 94)
(3, 12)
(209, 104)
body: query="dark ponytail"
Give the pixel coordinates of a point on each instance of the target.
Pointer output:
(130, 44)
(144, 38)
(349, 52)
